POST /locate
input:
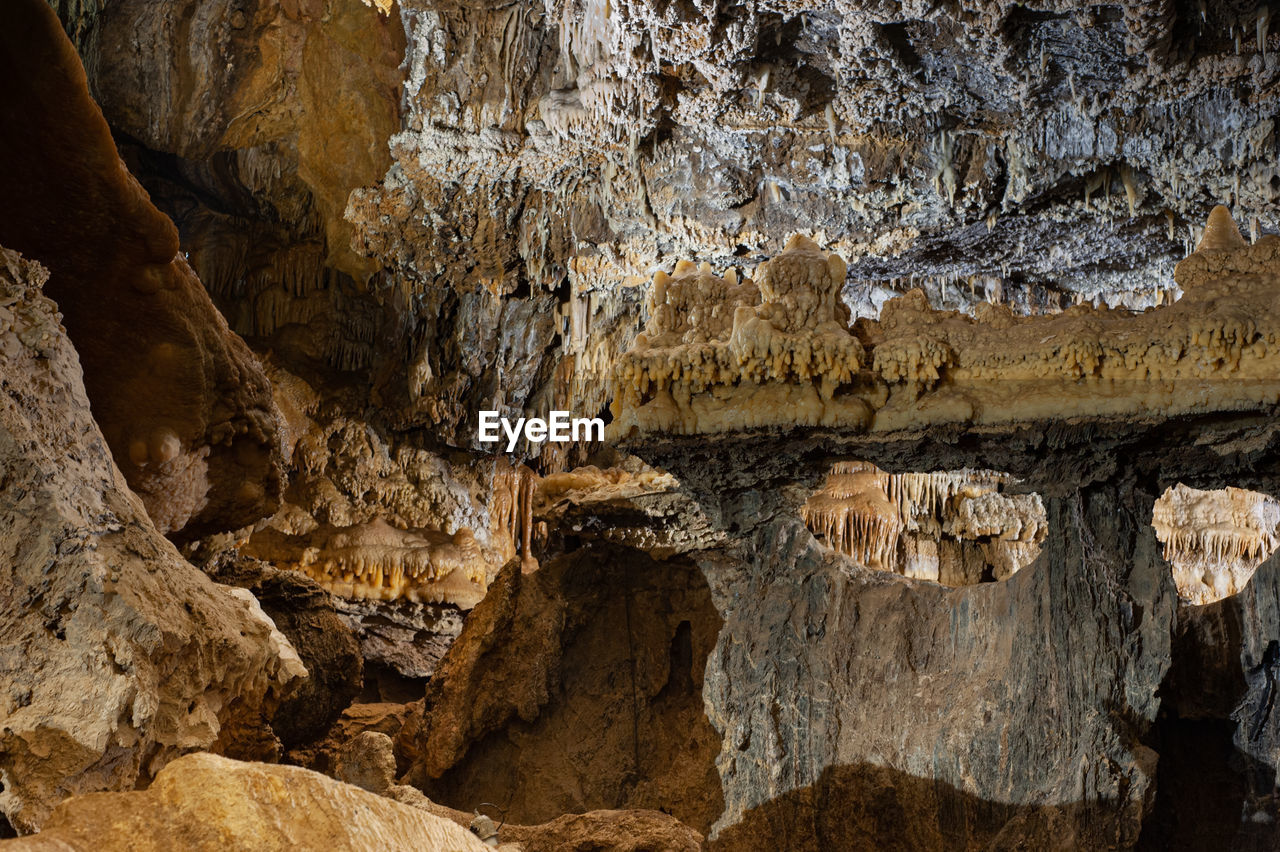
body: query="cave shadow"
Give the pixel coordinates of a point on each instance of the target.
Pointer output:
(1210, 792)
(623, 724)
(861, 806)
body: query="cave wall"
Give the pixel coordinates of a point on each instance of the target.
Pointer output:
(576, 687)
(429, 208)
(526, 167)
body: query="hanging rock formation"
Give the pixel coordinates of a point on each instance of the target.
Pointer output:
(954, 527)
(1215, 540)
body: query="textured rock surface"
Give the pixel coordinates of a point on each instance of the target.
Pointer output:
(306, 615)
(408, 638)
(485, 233)
(117, 655)
(553, 153)
(1218, 736)
(368, 761)
(576, 687)
(205, 802)
(182, 402)
(1039, 698)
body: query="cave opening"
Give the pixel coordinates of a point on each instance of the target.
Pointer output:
(1214, 540)
(956, 528)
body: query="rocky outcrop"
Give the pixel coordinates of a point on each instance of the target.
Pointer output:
(368, 761)
(403, 637)
(549, 156)
(306, 615)
(1217, 733)
(721, 358)
(182, 402)
(576, 687)
(204, 802)
(118, 655)
(1039, 708)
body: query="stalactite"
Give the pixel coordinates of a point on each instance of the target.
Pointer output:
(1215, 540)
(881, 520)
(511, 510)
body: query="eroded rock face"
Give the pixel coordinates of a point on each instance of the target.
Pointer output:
(831, 681)
(306, 615)
(182, 402)
(552, 155)
(793, 360)
(576, 687)
(205, 802)
(118, 655)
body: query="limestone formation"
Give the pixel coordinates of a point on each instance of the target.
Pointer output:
(548, 703)
(1213, 350)
(719, 356)
(182, 402)
(306, 615)
(1215, 540)
(826, 268)
(367, 761)
(379, 562)
(119, 655)
(204, 802)
(954, 527)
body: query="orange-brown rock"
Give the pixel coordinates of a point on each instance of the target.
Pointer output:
(204, 802)
(116, 655)
(183, 404)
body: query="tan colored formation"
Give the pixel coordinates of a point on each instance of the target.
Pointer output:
(387, 559)
(953, 527)
(720, 355)
(713, 360)
(119, 654)
(512, 511)
(1215, 540)
(590, 483)
(376, 561)
(205, 802)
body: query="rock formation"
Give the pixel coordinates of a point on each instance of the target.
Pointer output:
(791, 361)
(937, 503)
(953, 527)
(119, 655)
(1214, 540)
(182, 402)
(205, 802)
